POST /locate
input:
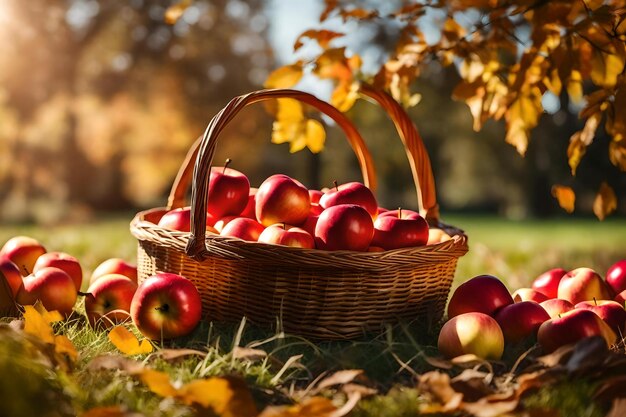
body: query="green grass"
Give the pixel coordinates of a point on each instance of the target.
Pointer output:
(514, 251)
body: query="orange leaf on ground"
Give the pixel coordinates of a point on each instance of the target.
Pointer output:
(127, 342)
(312, 407)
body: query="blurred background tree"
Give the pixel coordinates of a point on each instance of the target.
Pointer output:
(100, 100)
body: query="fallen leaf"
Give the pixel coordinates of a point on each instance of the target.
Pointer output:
(340, 378)
(284, 77)
(171, 355)
(38, 325)
(115, 362)
(175, 11)
(605, 202)
(311, 407)
(248, 353)
(618, 408)
(127, 342)
(64, 346)
(158, 382)
(565, 196)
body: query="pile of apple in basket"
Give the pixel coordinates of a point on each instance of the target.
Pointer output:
(282, 211)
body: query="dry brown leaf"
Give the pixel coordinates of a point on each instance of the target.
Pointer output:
(617, 153)
(248, 353)
(171, 355)
(127, 342)
(565, 196)
(618, 408)
(605, 67)
(331, 6)
(340, 378)
(605, 202)
(115, 362)
(311, 407)
(437, 384)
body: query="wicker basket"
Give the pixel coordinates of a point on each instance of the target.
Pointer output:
(313, 293)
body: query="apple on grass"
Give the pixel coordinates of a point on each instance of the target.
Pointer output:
(280, 234)
(166, 306)
(351, 193)
(63, 261)
(610, 311)
(583, 284)
(521, 320)
(400, 231)
(528, 294)
(548, 282)
(53, 287)
(114, 266)
(11, 275)
(108, 300)
(616, 276)
(483, 294)
(281, 199)
(555, 306)
(243, 228)
(344, 227)
(571, 327)
(23, 251)
(471, 333)
(228, 193)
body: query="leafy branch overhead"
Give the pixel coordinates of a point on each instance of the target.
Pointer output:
(513, 54)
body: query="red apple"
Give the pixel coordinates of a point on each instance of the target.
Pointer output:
(382, 210)
(351, 193)
(114, 266)
(310, 223)
(53, 287)
(483, 294)
(315, 196)
(528, 294)
(621, 298)
(520, 321)
(616, 276)
(166, 306)
(571, 327)
(344, 227)
(243, 228)
(281, 199)
(219, 225)
(108, 300)
(62, 261)
(401, 214)
(177, 219)
(375, 249)
(474, 333)
(11, 274)
(228, 192)
(315, 210)
(394, 232)
(249, 210)
(555, 306)
(548, 282)
(279, 234)
(23, 251)
(583, 284)
(611, 312)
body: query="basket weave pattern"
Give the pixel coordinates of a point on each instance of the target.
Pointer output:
(313, 293)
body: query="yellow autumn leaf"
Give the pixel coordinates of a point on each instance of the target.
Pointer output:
(333, 64)
(64, 346)
(344, 96)
(605, 67)
(284, 77)
(575, 86)
(580, 140)
(521, 117)
(617, 153)
(311, 407)
(323, 37)
(605, 202)
(38, 325)
(565, 196)
(175, 11)
(315, 136)
(158, 382)
(127, 342)
(227, 397)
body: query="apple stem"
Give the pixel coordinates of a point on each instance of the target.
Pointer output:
(25, 269)
(336, 185)
(164, 308)
(399, 212)
(284, 226)
(559, 315)
(595, 301)
(228, 161)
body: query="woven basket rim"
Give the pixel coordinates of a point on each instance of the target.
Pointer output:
(235, 248)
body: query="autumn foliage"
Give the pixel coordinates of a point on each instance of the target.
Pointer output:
(508, 58)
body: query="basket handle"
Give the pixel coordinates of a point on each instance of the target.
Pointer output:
(204, 150)
(415, 151)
